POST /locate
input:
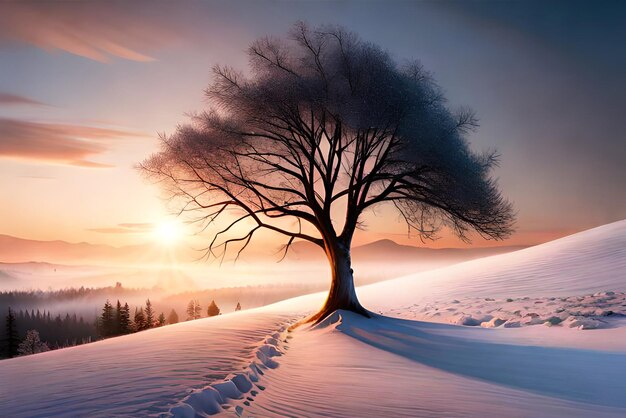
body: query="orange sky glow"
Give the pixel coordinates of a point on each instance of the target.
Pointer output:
(85, 90)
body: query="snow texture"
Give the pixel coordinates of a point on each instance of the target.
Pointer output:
(538, 332)
(140, 374)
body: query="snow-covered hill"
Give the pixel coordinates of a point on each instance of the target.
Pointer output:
(246, 364)
(586, 262)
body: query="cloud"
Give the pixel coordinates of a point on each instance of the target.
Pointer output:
(141, 226)
(98, 31)
(125, 228)
(111, 230)
(90, 164)
(14, 99)
(56, 143)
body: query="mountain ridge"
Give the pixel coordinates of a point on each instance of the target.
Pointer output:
(23, 250)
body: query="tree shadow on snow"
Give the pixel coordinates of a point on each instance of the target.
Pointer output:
(595, 377)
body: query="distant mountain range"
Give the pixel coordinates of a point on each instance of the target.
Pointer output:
(392, 252)
(20, 250)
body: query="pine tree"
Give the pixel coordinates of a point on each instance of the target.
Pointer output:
(238, 307)
(213, 310)
(193, 310)
(197, 310)
(124, 320)
(140, 319)
(118, 318)
(160, 320)
(12, 337)
(172, 318)
(107, 320)
(149, 314)
(32, 344)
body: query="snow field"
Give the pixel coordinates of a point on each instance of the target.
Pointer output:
(393, 365)
(219, 397)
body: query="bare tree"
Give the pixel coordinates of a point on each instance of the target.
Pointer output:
(324, 127)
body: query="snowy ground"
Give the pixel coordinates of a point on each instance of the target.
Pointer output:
(391, 368)
(246, 364)
(599, 310)
(136, 375)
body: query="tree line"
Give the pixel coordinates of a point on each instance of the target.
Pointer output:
(25, 299)
(30, 332)
(194, 310)
(114, 321)
(88, 302)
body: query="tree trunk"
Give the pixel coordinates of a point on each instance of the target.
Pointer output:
(342, 294)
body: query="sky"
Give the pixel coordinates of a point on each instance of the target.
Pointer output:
(86, 87)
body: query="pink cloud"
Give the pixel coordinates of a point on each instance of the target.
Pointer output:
(57, 143)
(98, 31)
(14, 99)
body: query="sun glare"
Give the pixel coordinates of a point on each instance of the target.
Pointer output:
(168, 232)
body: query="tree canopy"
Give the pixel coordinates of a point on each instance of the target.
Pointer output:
(321, 116)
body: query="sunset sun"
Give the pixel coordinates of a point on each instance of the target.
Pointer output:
(167, 232)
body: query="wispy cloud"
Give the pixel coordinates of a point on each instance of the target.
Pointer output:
(125, 228)
(144, 226)
(37, 177)
(14, 99)
(94, 30)
(56, 143)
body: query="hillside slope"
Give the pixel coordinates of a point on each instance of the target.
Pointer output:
(133, 375)
(351, 366)
(244, 364)
(586, 262)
